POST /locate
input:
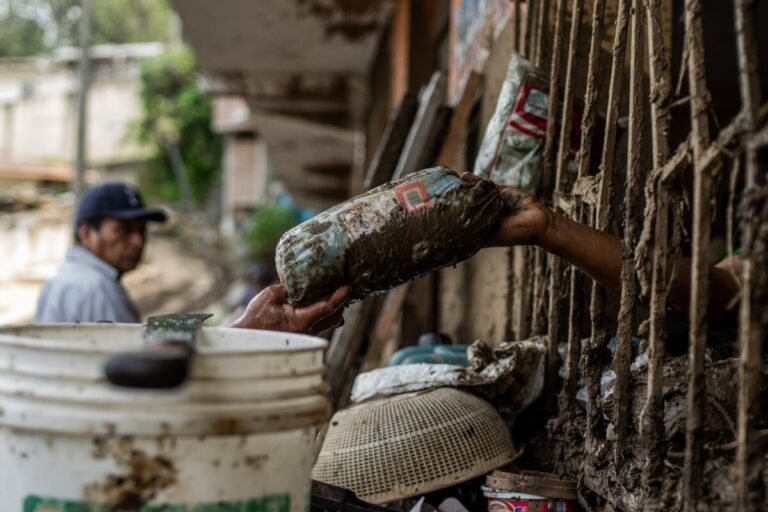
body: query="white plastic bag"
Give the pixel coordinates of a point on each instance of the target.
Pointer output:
(510, 153)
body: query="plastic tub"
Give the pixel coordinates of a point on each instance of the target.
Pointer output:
(238, 436)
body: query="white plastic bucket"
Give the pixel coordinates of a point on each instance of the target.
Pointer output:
(238, 436)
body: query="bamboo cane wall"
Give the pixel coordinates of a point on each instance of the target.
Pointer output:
(652, 217)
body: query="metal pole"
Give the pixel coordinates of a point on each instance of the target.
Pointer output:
(82, 97)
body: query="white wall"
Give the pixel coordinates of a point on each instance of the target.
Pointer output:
(38, 117)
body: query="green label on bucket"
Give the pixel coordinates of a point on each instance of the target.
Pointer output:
(272, 503)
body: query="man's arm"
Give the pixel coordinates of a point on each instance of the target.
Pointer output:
(599, 254)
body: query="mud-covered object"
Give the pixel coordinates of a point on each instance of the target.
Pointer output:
(511, 150)
(387, 236)
(510, 376)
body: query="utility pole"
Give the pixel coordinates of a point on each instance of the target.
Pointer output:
(82, 97)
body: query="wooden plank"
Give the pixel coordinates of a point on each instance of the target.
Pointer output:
(384, 161)
(566, 118)
(672, 168)
(591, 366)
(540, 32)
(590, 97)
(558, 283)
(760, 139)
(632, 193)
(459, 119)
(433, 143)
(382, 330)
(517, 35)
(728, 136)
(702, 201)
(750, 460)
(432, 97)
(346, 345)
(585, 189)
(652, 422)
(555, 70)
(531, 7)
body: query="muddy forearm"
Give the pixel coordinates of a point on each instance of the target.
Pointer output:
(596, 253)
(599, 255)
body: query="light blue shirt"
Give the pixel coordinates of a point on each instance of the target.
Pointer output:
(85, 289)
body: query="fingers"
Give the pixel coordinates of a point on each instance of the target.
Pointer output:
(309, 315)
(332, 321)
(339, 297)
(469, 177)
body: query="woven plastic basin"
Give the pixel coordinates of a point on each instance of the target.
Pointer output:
(413, 444)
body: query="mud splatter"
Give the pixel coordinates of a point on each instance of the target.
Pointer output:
(142, 478)
(256, 462)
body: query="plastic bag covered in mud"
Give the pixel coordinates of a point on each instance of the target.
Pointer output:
(387, 236)
(511, 151)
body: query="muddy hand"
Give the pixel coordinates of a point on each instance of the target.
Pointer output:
(270, 310)
(525, 219)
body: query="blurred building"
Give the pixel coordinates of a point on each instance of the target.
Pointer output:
(38, 110)
(246, 172)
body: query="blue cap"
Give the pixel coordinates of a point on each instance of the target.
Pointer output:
(117, 201)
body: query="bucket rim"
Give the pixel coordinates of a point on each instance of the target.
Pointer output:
(10, 336)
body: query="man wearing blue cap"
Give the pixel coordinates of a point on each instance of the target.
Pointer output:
(110, 233)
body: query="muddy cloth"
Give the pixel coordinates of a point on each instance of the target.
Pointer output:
(390, 235)
(510, 376)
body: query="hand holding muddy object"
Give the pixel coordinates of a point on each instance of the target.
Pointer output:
(524, 219)
(392, 234)
(270, 310)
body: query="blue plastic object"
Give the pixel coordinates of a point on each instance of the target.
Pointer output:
(439, 354)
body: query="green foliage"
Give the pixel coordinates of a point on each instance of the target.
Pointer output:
(264, 229)
(130, 21)
(33, 27)
(175, 111)
(20, 36)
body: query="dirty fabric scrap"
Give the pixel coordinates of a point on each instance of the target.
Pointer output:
(510, 375)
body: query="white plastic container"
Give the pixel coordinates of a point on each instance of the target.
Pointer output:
(238, 436)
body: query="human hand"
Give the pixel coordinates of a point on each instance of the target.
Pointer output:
(271, 311)
(525, 220)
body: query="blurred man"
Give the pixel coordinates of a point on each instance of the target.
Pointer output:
(110, 233)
